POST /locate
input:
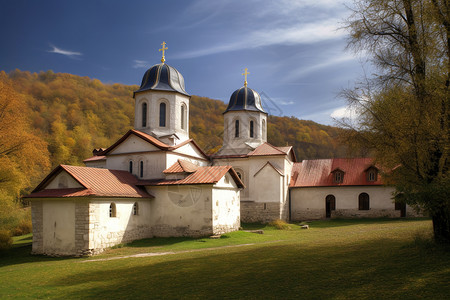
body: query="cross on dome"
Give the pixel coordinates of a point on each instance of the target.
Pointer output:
(245, 74)
(163, 59)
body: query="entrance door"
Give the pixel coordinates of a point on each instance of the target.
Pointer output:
(330, 204)
(402, 208)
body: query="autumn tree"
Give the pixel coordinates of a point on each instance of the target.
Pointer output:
(404, 107)
(23, 155)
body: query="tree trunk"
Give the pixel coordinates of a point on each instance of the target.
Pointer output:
(441, 225)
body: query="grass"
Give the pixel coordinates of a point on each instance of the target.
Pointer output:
(338, 259)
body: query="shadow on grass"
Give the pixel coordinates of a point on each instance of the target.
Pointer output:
(157, 242)
(363, 221)
(22, 254)
(376, 269)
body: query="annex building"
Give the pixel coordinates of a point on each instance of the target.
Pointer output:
(156, 182)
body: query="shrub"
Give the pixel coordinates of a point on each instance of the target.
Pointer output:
(280, 224)
(24, 227)
(5, 239)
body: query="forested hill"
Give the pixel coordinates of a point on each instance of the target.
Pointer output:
(76, 114)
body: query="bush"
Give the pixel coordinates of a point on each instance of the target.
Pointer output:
(5, 239)
(280, 224)
(24, 227)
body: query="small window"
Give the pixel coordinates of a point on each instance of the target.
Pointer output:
(264, 129)
(112, 210)
(141, 169)
(130, 167)
(251, 129)
(135, 209)
(372, 175)
(162, 115)
(236, 128)
(144, 114)
(338, 177)
(364, 202)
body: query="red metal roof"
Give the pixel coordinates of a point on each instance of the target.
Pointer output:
(95, 181)
(267, 149)
(181, 166)
(203, 175)
(318, 172)
(95, 158)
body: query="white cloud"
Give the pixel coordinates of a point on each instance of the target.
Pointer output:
(282, 102)
(140, 64)
(344, 113)
(68, 53)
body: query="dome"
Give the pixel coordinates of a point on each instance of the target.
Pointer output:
(162, 77)
(245, 99)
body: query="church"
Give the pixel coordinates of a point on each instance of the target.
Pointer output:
(157, 182)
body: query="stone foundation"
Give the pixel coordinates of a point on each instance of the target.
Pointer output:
(165, 230)
(259, 212)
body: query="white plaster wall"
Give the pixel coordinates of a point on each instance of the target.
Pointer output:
(106, 231)
(312, 200)
(173, 116)
(63, 177)
(133, 144)
(154, 163)
(59, 227)
(226, 206)
(244, 117)
(268, 185)
(180, 210)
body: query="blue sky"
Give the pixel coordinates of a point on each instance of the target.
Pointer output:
(293, 50)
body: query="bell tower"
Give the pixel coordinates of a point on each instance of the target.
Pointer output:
(162, 104)
(245, 121)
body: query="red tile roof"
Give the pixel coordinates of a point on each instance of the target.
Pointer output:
(203, 175)
(96, 182)
(181, 166)
(263, 149)
(95, 158)
(318, 172)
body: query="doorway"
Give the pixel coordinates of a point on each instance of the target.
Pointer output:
(330, 205)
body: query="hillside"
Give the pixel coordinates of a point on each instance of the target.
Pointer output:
(76, 114)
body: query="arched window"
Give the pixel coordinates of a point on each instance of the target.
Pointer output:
(364, 202)
(251, 129)
(236, 128)
(135, 209)
(144, 114)
(130, 166)
(264, 129)
(372, 174)
(162, 115)
(239, 175)
(141, 169)
(183, 116)
(112, 210)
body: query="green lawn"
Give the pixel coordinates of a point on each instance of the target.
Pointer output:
(340, 259)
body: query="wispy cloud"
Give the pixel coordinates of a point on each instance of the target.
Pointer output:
(140, 64)
(344, 113)
(68, 53)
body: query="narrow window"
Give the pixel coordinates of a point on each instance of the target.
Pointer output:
(372, 175)
(236, 128)
(141, 169)
(183, 117)
(135, 209)
(264, 129)
(251, 129)
(144, 114)
(239, 175)
(364, 202)
(162, 115)
(130, 167)
(112, 210)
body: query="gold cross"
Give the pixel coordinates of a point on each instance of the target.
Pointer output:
(245, 74)
(162, 49)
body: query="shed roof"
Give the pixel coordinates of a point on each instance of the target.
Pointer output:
(319, 172)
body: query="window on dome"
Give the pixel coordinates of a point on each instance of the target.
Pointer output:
(264, 129)
(141, 169)
(236, 128)
(144, 114)
(130, 167)
(162, 115)
(183, 116)
(251, 129)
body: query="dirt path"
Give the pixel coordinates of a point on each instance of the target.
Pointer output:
(150, 254)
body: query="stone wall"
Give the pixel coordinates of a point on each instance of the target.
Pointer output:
(165, 230)
(82, 228)
(263, 212)
(37, 215)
